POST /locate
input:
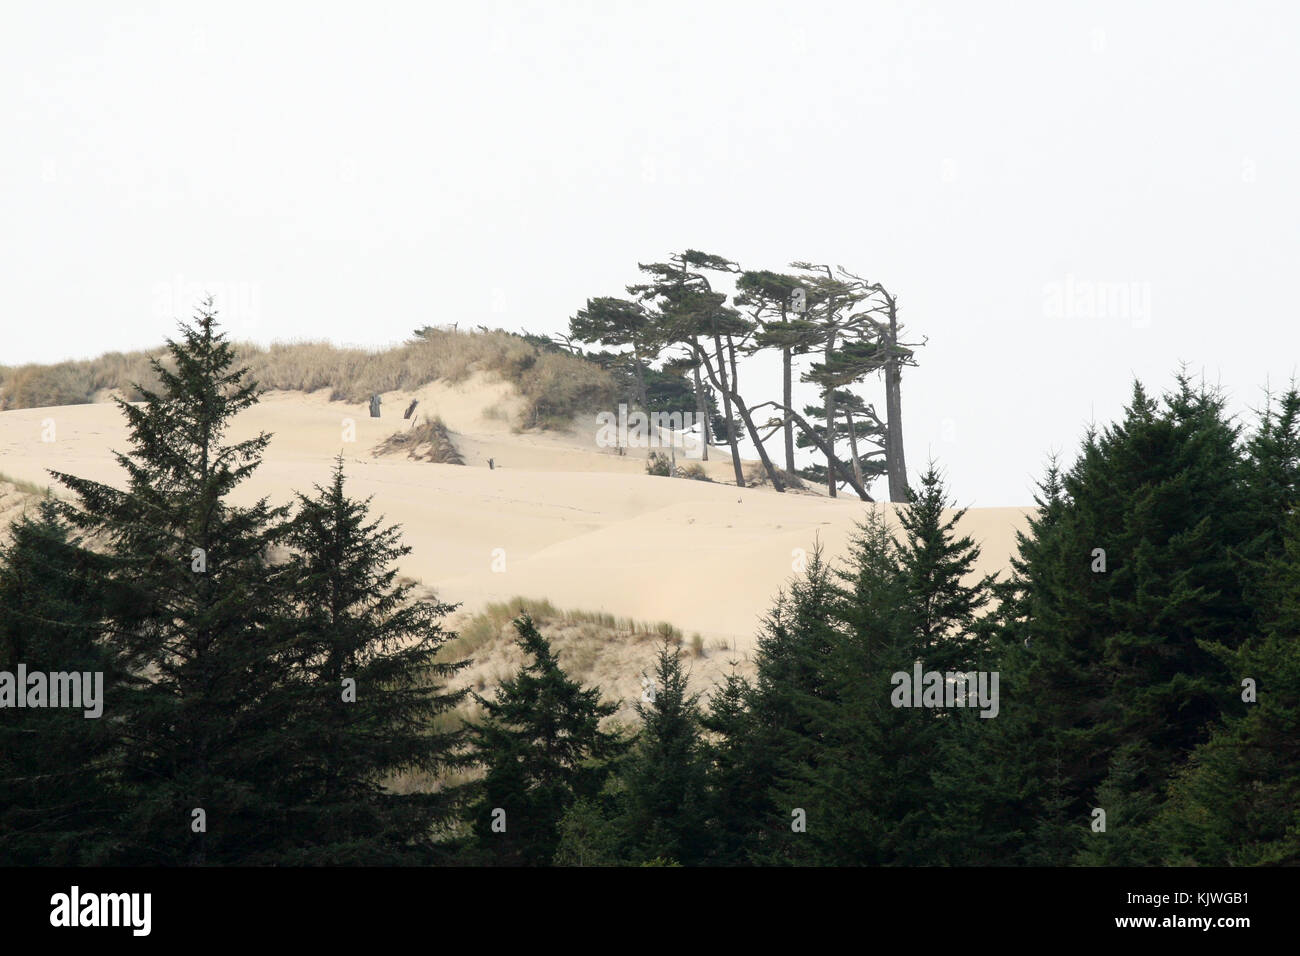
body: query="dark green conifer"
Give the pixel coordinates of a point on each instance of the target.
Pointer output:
(1237, 802)
(203, 623)
(372, 692)
(59, 800)
(664, 800)
(542, 747)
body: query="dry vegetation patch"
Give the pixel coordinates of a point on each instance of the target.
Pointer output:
(595, 648)
(756, 476)
(17, 498)
(428, 440)
(555, 385)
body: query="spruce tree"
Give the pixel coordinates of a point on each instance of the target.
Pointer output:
(206, 746)
(941, 611)
(1130, 569)
(664, 802)
(542, 748)
(738, 771)
(793, 687)
(589, 835)
(1237, 802)
(1272, 471)
(1003, 796)
(1128, 799)
(902, 599)
(372, 694)
(859, 786)
(59, 800)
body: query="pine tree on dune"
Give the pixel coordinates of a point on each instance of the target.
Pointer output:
(371, 692)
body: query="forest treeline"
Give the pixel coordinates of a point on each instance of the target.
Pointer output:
(267, 676)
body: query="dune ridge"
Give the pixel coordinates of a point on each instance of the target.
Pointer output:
(555, 517)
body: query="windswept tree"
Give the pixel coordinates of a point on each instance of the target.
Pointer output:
(677, 289)
(858, 336)
(849, 322)
(831, 301)
(621, 323)
(893, 355)
(688, 270)
(769, 298)
(691, 312)
(859, 426)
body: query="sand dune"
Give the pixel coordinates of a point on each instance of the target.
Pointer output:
(558, 517)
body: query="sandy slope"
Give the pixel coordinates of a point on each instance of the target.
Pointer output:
(574, 523)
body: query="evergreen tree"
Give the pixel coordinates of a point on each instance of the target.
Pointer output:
(203, 628)
(768, 297)
(1126, 572)
(1272, 490)
(1002, 797)
(59, 801)
(1272, 466)
(542, 747)
(941, 611)
(620, 322)
(859, 785)
(372, 690)
(589, 836)
(1129, 802)
(793, 687)
(664, 802)
(1237, 802)
(738, 772)
(993, 805)
(902, 600)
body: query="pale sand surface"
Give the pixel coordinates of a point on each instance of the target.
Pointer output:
(577, 524)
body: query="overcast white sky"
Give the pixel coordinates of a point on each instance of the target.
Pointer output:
(1062, 196)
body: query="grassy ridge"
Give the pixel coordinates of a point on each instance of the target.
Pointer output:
(555, 385)
(26, 487)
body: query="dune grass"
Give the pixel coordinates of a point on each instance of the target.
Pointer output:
(26, 487)
(555, 385)
(489, 626)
